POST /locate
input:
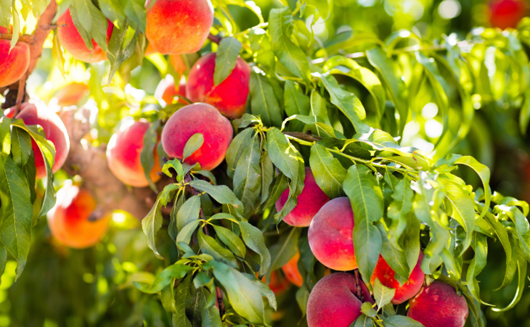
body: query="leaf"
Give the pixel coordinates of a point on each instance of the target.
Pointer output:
(247, 176)
(210, 246)
(16, 212)
(3, 259)
(395, 257)
(480, 247)
(348, 103)
(221, 193)
(302, 297)
(522, 268)
(244, 297)
(182, 295)
(363, 321)
(284, 249)
(399, 208)
(295, 102)
(263, 101)
(176, 271)
(113, 10)
(366, 199)
(136, 11)
(264, 290)
(189, 211)
(367, 309)
(282, 153)
(328, 171)
(226, 58)
(119, 50)
(382, 294)
(151, 224)
(401, 321)
(184, 236)
(253, 238)
(288, 54)
(21, 146)
(146, 155)
(194, 143)
(93, 21)
(231, 240)
(211, 318)
(484, 174)
(236, 148)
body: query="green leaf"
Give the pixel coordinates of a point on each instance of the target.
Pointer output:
(220, 193)
(522, 268)
(226, 58)
(236, 148)
(210, 246)
(189, 211)
(295, 102)
(302, 297)
(247, 176)
(176, 271)
(399, 209)
(484, 174)
(401, 321)
(151, 224)
(5, 137)
(146, 155)
(396, 258)
(182, 294)
(288, 54)
(367, 309)
(328, 171)
(119, 50)
(93, 21)
(135, 10)
(363, 321)
(244, 297)
(16, 212)
(284, 249)
(282, 153)
(366, 198)
(187, 231)
(3, 259)
(231, 240)
(263, 101)
(253, 238)
(113, 9)
(211, 318)
(194, 143)
(347, 102)
(382, 294)
(21, 146)
(264, 290)
(480, 247)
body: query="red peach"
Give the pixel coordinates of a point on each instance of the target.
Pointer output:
(438, 305)
(198, 118)
(229, 97)
(166, 91)
(14, 64)
(385, 274)
(333, 302)
(123, 155)
(70, 219)
(309, 203)
(71, 94)
(278, 284)
(179, 26)
(506, 13)
(54, 130)
(72, 41)
(290, 269)
(330, 235)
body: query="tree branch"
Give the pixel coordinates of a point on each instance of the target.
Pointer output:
(304, 136)
(214, 38)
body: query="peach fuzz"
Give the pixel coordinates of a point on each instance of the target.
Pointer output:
(198, 118)
(123, 155)
(438, 305)
(71, 94)
(333, 302)
(178, 26)
(14, 64)
(54, 130)
(330, 235)
(290, 269)
(72, 41)
(229, 97)
(166, 91)
(411, 287)
(309, 202)
(70, 222)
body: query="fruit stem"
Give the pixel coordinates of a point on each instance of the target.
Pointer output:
(214, 38)
(358, 282)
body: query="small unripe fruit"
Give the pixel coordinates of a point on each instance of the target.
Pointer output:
(229, 97)
(14, 64)
(309, 202)
(198, 118)
(70, 221)
(438, 305)
(72, 41)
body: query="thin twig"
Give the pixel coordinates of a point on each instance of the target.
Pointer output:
(358, 282)
(20, 93)
(214, 38)
(21, 38)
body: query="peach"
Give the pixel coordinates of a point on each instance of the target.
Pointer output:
(309, 203)
(70, 220)
(54, 130)
(14, 64)
(72, 41)
(166, 91)
(229, 97)
(412, 286)
(198, 118)
(438, 305)
(506, 13)
(278, 284)
(333, 302)
(290, 269)
(123, 155)
(71, 94)
(330, 235)
(179, 26)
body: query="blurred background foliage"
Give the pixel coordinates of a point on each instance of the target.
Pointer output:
(63, 287)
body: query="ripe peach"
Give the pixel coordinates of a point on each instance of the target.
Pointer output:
(166, 91)
(309, 203)
(123, 155)
(229, 97)
(385, 274)
(333, 302)
(290, 269)
(438, 305)
(72, 41)
(70, 222)
(506, 13)
(71, 94)
(278, 284)
(330, 235)
(14, 64)
(198, 118)
(54, 130)
(179, 26)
